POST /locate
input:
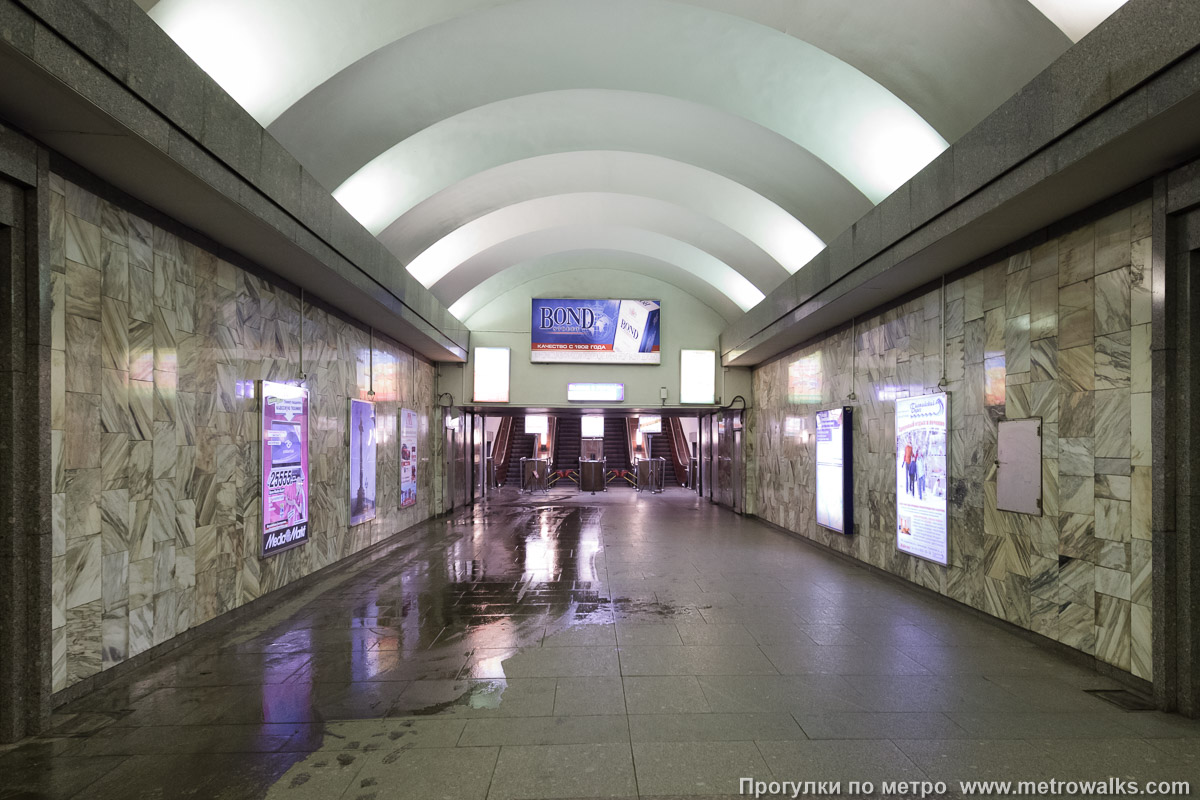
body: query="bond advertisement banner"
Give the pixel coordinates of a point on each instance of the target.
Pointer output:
(595, 331)
(285, 486)
(362, 461)
(921, 476)
(408, 457)
(835, 468)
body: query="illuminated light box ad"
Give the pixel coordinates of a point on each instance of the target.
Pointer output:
(362, 461)
(595, 392)
(408, 457)
(592, 428)
(835, 469)
(921, 476)
(697, 376)
(650, 424)
(595, 331)
(538, 424)
(285, 485)
(491, 374)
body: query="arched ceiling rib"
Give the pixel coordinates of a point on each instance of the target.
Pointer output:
(948, 67)
(784, 84)
(547, 241)
(726, 202)
(521, 128)
(440, 265)
(714, 142)
(585, 263)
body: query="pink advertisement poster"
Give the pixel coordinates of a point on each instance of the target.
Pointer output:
(285, 486)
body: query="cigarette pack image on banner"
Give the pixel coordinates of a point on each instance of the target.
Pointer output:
(285, 486)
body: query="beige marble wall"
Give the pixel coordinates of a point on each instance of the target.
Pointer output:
(1060, 332)
(157, 345)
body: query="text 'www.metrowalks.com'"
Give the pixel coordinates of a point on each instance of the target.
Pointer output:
(1105, 787)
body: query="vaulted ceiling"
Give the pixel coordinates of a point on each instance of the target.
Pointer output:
(714, 144)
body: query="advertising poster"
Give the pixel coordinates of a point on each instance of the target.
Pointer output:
(595, 331)
(408, 457)
(285, 485)
(804, 380)
(921, 476)
(362, 461)
(835, 468)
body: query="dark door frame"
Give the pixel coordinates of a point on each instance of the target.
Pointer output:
(26, 544)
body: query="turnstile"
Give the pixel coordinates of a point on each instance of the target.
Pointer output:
(651, 474)
(534, 472)
(592, 475)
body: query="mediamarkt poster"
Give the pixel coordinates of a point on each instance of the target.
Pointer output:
(921, 476)
(595, 331)
(408, 457)
(285, 485)
(362, 461)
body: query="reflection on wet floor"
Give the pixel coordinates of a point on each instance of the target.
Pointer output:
(567, 646)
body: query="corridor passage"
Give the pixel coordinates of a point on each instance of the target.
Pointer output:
(571, 646)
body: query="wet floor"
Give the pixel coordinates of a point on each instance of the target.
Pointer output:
(576, 646)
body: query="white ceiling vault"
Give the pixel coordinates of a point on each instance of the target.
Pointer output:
(713, 144)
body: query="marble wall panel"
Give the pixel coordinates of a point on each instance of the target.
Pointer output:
(1060, 332)
(156, 347)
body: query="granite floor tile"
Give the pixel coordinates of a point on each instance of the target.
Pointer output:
(844, 761)
(873, 725)
(980, 759)
(233, 776)
(454, 773)
(694, 660)
(713, 727)
(545, 730)
(567, 770)
(589, 696)
(696, 768)
(664, 695)
(51, 779)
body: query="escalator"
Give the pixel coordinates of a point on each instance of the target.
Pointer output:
(616, 451)
(567, 444)
(522, 447)
(660, 447)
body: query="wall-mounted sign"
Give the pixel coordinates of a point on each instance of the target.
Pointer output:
(595, 392)
(362, 461)
(408, 457)
(592, 427)
(491, 374)
(595, 331)
(921, 476)
(285, 486)
(697, 376)
(835, 469)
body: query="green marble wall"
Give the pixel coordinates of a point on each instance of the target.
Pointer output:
(1062, 332)
(156, 347)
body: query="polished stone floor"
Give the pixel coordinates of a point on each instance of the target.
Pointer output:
(615, 645)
